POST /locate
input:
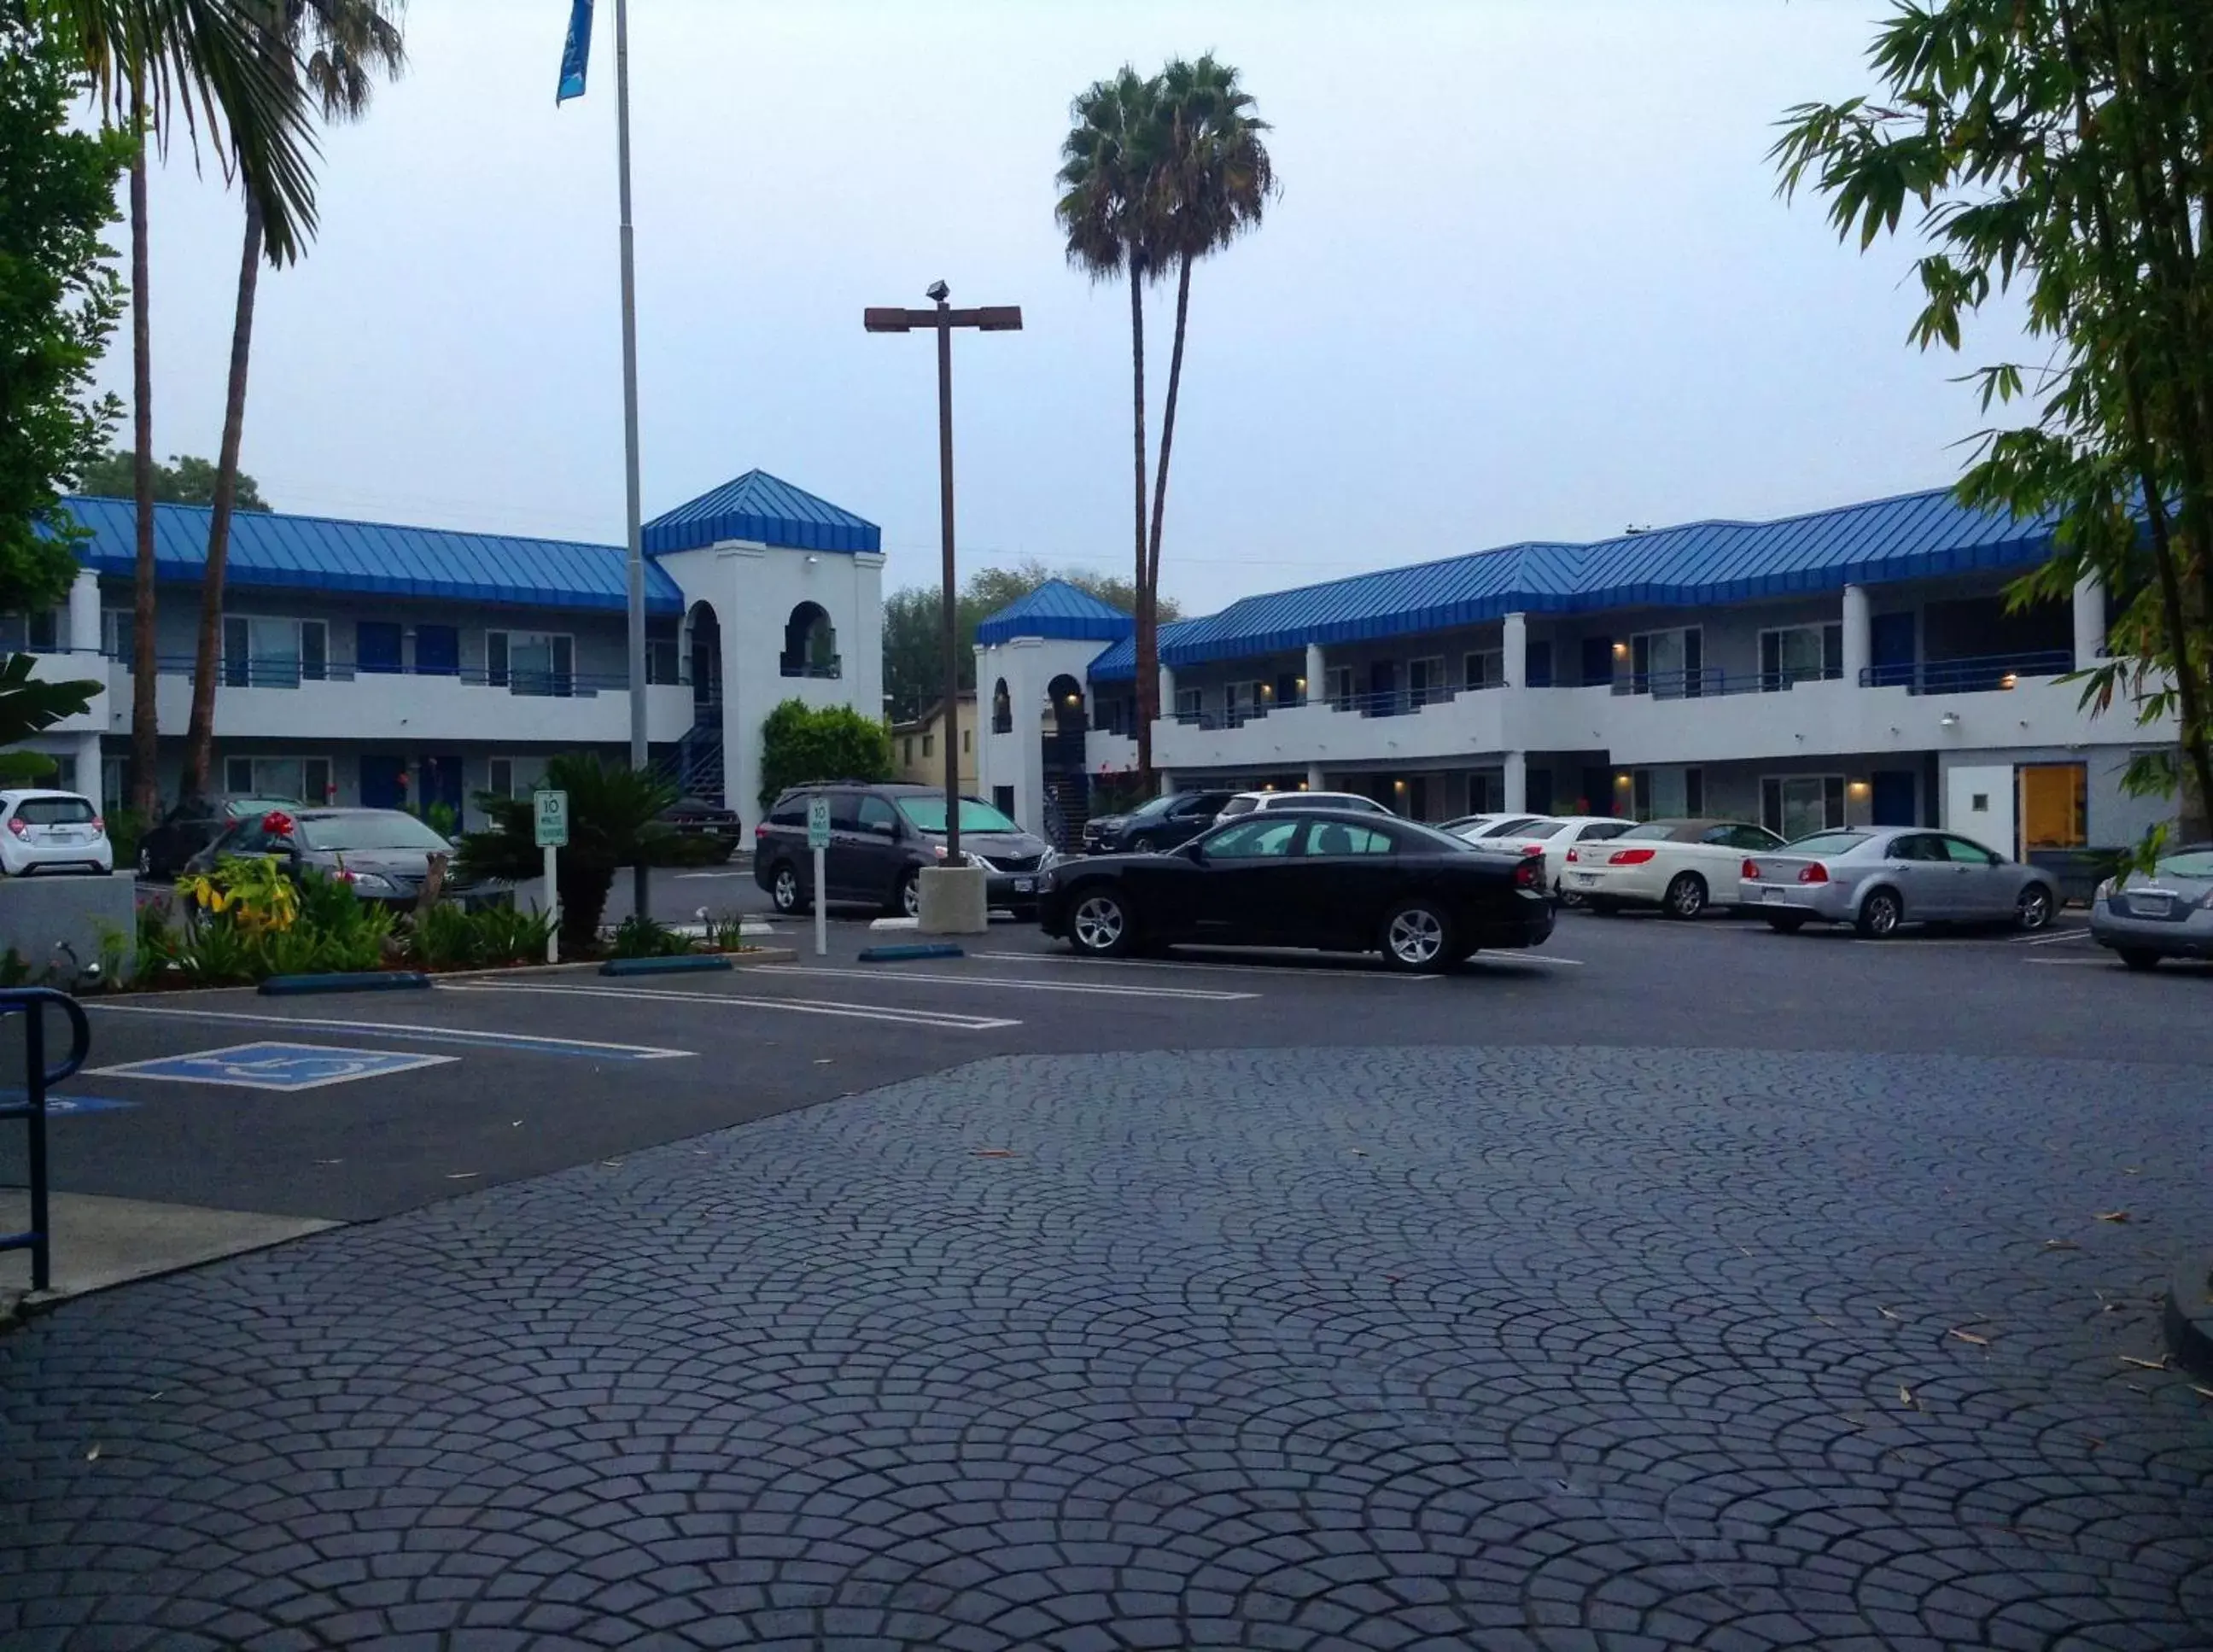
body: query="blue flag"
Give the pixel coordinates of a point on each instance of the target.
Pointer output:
(576, 56)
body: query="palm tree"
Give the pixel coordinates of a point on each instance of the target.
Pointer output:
(339, 47)
(1216, 179)
(1111, 212)
(203, 58)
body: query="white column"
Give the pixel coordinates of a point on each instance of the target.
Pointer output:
(1167, 781)
(1314, 781)
(88, 766)
(2089, 621)
(1317, 681)
(1167, 691)
(1516, 646)
(84, 615)
(1857, 653)
(1517, 782)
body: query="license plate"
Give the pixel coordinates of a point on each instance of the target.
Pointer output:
(1774, 894)
(1025, 886)
(2151, 905)
(1586, 879)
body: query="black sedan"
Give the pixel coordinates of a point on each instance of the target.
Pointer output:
(1328, 879)
(383, 853)
(712, 833)
(193, 825)
(1161, 824)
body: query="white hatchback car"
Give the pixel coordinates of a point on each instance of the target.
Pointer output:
(1682, 867)
(43, 830)
(1245, 802)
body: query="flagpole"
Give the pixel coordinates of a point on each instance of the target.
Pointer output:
(636, 557)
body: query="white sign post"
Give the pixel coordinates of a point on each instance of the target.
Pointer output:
(818, 839)
(550, 812)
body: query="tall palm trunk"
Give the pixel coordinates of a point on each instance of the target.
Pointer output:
(199, 736)
(1152, 576)
(146, 781)
(1148, 643)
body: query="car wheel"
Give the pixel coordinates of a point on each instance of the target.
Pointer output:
(1417, 936)
(2138, 958)
(1686, 895)
(1785, 925)
(1880, 916)
(1099, 922)
(1143, 845)
(2034, 911)
(784, 891)
(906, 900)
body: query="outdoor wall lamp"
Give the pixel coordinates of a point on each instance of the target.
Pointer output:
(1949, 720)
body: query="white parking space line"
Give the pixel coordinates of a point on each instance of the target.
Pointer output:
(2073, 963)
(528, 1041)
(2050, 940)
(1523, 957)
(1002, 983)
(945, 1019)
(1338, 965)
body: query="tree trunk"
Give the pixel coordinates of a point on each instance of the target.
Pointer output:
(200, 735)
(1167, 432)
(145, 752)
(1148, 643)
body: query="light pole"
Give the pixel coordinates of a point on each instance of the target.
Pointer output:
(995, 318)
(634, 557)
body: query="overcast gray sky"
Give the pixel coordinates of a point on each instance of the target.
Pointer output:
(1527, 279)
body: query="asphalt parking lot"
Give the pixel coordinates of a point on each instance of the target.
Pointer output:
(1675, 1285)
(485, 1079)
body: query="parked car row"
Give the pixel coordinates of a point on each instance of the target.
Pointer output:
(881, 836)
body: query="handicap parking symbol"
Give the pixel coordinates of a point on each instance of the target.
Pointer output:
(271, 1066)
(62, 1107)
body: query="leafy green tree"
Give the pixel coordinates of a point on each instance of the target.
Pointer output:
(2064, 148)
(59, 301)
(202, 61)
(614, 822)
(914, 660)
(802, 743)
(185, 480)
(1158, 174)
(333, 50)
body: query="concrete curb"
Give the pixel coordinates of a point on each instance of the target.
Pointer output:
(2188, 1314)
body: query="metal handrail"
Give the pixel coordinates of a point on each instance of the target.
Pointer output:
(30, 1003)
(1988, 674)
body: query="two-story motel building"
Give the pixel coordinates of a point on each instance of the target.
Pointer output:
(1856, 664)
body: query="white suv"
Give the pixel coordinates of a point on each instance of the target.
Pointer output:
(44, 829)
(1245, 802)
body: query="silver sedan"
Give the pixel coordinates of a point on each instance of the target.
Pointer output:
(2168, 914)
(1877, 878)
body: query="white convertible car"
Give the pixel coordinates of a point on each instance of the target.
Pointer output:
(1682, 867)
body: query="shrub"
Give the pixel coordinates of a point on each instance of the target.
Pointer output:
(644, 937)
(247, 922)
(802, 743)
(450, 936)
(614, 821)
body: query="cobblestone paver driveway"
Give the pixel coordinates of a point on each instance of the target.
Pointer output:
(1384, 1349)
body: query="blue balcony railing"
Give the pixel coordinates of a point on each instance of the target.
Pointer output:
(1714, 682)
(515, 680)
(1985, 674)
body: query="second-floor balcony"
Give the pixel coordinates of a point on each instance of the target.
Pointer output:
(294, 699)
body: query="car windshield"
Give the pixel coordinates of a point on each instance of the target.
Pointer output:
(1434, 838)
(2189, 864)
(1239, 806)
(372, 829)
(253, 808)
(928, 814)
(55, 811)
(1649, 830)
(1537, 829)
(1148, 809)
(1828, 843)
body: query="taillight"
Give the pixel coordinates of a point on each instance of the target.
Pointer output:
(1572, 856)
(1528, 873)
(17, 827)
(1816, 873)
(1630, 856)
(761, 831)
(99, 824)
(1749, 871)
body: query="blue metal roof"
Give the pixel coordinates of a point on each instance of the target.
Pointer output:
(1058, 611)
(1915, 536)
(1120, 662)
(764, 508)
(317, 553)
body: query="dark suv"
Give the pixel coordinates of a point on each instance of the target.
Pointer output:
(1161, 824)
(879, 836)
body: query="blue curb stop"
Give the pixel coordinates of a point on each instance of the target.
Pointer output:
(900, 954)
(682, 964)
(382, 980)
